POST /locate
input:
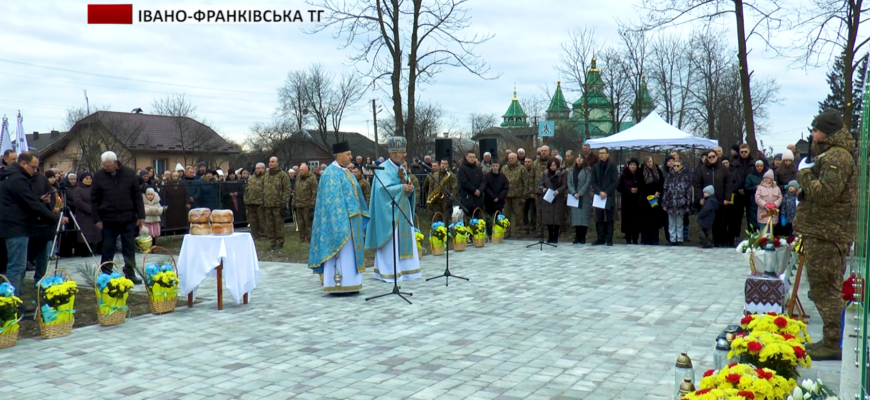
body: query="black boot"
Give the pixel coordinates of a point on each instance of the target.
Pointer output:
(131, 275)
(583, 234)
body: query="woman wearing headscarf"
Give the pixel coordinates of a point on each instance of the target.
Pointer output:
(629, 189)
(230, 194)
(753, 179)
(552, 213)
(85, 216)
(652, 217)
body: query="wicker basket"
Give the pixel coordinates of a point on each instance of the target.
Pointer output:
(482, 241)
(9, 339)
(116, 317)
(496, 238)
(437, 251)
(458, 246)
(165, 306)
(55, 330)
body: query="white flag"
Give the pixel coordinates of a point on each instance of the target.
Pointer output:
(21, 139)
(5, 139)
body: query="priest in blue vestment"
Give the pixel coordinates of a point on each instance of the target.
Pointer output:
(380, 233)
(338, 228)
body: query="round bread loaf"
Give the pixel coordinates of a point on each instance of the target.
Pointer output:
(222, 216)
(221, 228)
(198, 215)
(200, 229)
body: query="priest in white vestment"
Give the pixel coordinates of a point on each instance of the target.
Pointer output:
(338, 227)
(380, 234)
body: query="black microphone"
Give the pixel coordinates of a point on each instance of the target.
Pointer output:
(423, 165)
(372, 166)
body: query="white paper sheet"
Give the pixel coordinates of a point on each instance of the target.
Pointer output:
(573, 201)
(598, 202)
(549, 196)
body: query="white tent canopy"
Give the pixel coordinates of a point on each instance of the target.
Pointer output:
(652, 131)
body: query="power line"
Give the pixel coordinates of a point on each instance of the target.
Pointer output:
(131, 79)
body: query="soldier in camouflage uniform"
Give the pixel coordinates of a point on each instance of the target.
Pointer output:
(516, 197)
(538, 168)
(276, 194)
(254, 202)
(826, 220)
(363, 182)
(448, 185)
(306, 195)
(530, 213)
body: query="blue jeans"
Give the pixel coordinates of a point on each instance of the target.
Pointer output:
(16, 250)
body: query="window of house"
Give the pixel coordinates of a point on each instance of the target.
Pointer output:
(159, 165)
(313, 164)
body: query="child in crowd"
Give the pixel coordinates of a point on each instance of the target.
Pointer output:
(153, 210)
(706, 216)
(789, 208)
(767, 196)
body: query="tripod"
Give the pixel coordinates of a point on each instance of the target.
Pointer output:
(541, 241)
(447, 274)
(56, 241)
(393, 206)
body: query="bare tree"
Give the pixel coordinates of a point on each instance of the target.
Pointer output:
(292, 102)
(421, 139)
(76, 114)
(617, 86)
(635, 48)
(574, 62)
(670, 73)
(317, 93)
(481, 122)
(405, 43)
(274, 138)
(194, 137)
(767, 18)
(349, 92)
(710, 64)
(102, 133)
(534, 107)
(829, 29)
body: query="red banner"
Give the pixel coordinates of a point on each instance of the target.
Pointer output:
(110, 14)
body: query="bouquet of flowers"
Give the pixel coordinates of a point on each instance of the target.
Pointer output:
(779, 324)
(419, 236)
(8, 309)
(57, 298)
(438, 234)
(812, 390)
(757, 242)
(478, 228)
(162, 282)
(782, 353)
(742, 381)
(114, 289)
(501, 225)
(458, 232)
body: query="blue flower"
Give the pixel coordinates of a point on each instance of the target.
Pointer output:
(116, 275)
(7, 290)
(151, 270)
(451, 226)
(102, 281)
(501, 217)
(51, 281)
(473, 221)
(417, 230)
(166, 267)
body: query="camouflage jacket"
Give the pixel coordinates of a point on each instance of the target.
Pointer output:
(538, 167)
(276, 188)
(516, 176)
(827, 209)
(366, 188)
(254, 190)
(306, 190)
(416, 183)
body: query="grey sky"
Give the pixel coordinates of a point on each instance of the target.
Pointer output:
(234, 70)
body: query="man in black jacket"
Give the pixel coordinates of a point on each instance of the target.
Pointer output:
(740, 168)
(497, 187)
(471, 184)
(116, 196)
(9, 157)
(712, 173)
(605, 179)
(21, 211)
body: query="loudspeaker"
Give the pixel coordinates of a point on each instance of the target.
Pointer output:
(443, 150)
(488, 146)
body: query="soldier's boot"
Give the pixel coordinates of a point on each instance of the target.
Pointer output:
(825, 352)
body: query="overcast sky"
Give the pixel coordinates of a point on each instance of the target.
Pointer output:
(232, 71)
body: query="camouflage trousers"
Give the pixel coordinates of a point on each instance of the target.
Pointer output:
(438, 206)
(256, 218)
(513, 211)
(274, 225)
(304, 216)
(825, 262)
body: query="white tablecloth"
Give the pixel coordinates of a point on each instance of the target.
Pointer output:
(201, 254)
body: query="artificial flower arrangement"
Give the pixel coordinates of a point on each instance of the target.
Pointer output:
(162, 282)
(478, 228)
(114, 289)
(438, 235)
(419, 236)
(458, 232)
(757, 242)
(58, 297)
(740, 382)
(776, 323)
(812, 390)
(781, 353)
(501, 225)
(8, 309)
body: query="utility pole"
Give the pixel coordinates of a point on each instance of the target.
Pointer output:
(375, 119)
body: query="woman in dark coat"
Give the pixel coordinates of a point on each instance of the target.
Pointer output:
(175, 197)
(553, 213)
(753, 179)
(208, 192)
(68, 241)
(85, 216)
(230, 199)
(652, 217)
(496, 189)
(629, 188)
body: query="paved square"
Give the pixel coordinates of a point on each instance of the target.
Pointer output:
(573, 322)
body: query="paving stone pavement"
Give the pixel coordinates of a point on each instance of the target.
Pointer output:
(568, 323)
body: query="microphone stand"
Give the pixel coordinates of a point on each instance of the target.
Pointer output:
(393, 207)
(447, 274)
(541, 241)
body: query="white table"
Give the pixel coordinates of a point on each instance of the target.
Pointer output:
(213, 255)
